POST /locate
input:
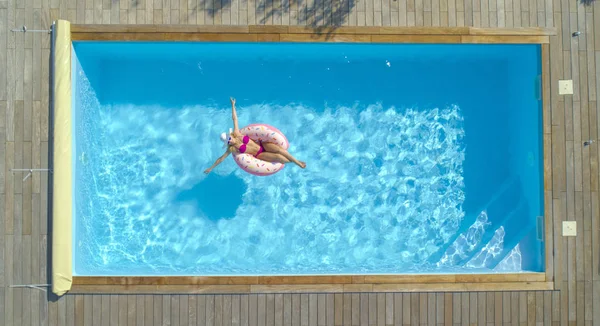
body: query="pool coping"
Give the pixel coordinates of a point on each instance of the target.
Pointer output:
(314, 284)
(340, 283)
(271, 33)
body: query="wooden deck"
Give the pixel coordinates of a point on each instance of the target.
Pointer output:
(571, 189)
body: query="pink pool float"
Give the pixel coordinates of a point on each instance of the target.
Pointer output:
(261, 132)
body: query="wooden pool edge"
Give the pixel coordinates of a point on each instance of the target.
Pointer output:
(261, 33)
(314, 284)
(340, 283)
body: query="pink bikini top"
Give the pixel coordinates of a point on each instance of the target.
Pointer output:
(245, 141)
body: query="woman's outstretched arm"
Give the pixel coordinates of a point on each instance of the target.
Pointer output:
(218, 161)
(234, 115)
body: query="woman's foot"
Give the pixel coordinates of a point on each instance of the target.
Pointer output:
(301, 164)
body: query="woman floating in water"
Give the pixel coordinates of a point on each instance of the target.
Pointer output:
(237, 143)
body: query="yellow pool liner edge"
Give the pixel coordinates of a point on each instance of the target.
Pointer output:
(62, 200)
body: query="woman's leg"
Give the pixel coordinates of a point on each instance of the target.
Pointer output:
(272, 157)
(274, 148)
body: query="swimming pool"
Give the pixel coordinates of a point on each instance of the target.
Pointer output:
(421, 159)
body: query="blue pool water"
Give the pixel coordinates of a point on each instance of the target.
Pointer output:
(421, 159)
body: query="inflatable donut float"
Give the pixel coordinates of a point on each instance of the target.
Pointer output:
(261, 132)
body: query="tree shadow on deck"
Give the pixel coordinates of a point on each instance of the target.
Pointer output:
(325, 16)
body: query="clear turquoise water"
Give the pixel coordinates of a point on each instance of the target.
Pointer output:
(421, 159)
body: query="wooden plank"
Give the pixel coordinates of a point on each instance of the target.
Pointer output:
(222, 311)
(443, 278)
(3, 267)
(355, 34)
(157, 309)
(278, 298)
(506, 305)
(148, 307)
(398, 309)
(580, 301)
(558, 159)
(415, 39)
(113, 315)
(35, 258)
(201, 310)
(414, 309)
(373, 304)
(595, 236)
(406, 308)
(105, 310)
(88, 309)
(171, 280)
(43, 276)
(456, 308)
(19, 62)
(593, 148)
(96, 309)
(547, 308)
(78, 311)
(589, 28)
(342, 306)
(548, 229)
(26, 274)
(423, 308)
(152, 289)
(139, 310)
(352, 38)
(2, 303)
(439, 308)
(465, 287)
(52, 313)
(210, 310)
(530, 308)
(558, 216)
(218, 310)
(131, 310)
(3, 54)
(123, 310)
(268, 280)
(555, 306)
(539, 307)
(498, 308)
(514, 307)
(17, 267)
(318, 288)
(422, 31)
(579, 252)
(596, 298)
(448, 310)
(270, 309)
(287, 309)
(505, 39)
(296, 309)
(304, 309)
(364, 309)
(61, 312)
(183, 313)
(546, 111)
(10, 91)
(389, 309)
(8, 244)
(329, 309)
(466, 311)
(235, 310)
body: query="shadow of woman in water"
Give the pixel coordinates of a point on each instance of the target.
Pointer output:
(217, 197)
